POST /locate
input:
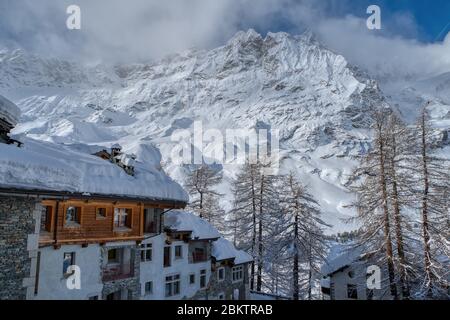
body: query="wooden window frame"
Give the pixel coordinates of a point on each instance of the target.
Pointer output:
(49, 223)
(75, 225)
(100, 217)
(125, 228)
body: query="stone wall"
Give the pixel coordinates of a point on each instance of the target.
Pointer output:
(132, 284)
(19, 235)
(226, 286)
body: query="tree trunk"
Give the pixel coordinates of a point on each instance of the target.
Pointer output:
(252, 281)
(398, 225)
(201, 204)
(387, 231)
(260, 236)
(296, 258)
(425, 227)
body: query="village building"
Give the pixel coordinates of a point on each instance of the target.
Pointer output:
(112, 222)
(230, 278)
(346, 272)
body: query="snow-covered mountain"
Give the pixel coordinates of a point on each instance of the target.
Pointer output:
(318, 101)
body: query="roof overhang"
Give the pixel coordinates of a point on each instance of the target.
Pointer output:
(53, 194)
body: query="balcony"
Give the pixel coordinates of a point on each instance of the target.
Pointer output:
(115, 272)
(198, 257)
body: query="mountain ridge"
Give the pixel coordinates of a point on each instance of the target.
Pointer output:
(318, 101)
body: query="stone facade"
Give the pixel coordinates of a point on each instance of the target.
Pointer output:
(19, 235)
(226, 287)
(132, 284)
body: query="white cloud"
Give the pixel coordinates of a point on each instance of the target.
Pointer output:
(117, 30)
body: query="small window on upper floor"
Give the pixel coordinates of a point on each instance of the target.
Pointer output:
(237, 273)
(192, 278)
(146, 252)
(178, 252)
(123, 218)
(73, 216)
(221, 274)
(100, 213)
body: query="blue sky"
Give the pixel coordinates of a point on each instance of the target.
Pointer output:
(431, 18)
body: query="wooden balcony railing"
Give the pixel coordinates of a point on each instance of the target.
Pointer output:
(198, 257)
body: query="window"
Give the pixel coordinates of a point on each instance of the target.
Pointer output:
(122, 217)
(100, 213)
(68, 260)
(113, 256)
(167, 260)
(149, 287)
(351, 274)
(73, 215)
(192, 278)
(172, 285)
(46, 219)
(199, 255)
(221, 274)
(237, 273)
(146, 252)
(178, 252)
(151, 220)
(352, 293)
(221, 296)
(202, 278)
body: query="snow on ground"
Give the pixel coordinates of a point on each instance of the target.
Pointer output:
(183, 221)
(41, 165)
(223, 249)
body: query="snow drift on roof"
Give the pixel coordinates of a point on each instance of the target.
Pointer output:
(223, 249)
(9, 111)
(55, 167)
(183, 221)
(341, 256)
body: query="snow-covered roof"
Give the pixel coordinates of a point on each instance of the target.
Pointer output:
(9, 111)
(47, 166)
(223, 249)
(341, 256)
(127, 160)
(184, 221)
